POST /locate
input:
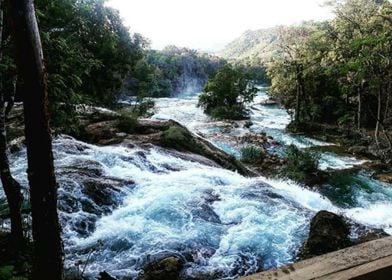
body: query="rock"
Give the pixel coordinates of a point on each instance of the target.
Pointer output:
(248, 124)
(17, 144)
(358, 150)
(328, 232)
(105, 276)
(167, 134)
(366, 234)
(384, 177)
(168, 268)
(72, 273)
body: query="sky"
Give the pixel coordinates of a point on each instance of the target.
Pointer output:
(209, 25)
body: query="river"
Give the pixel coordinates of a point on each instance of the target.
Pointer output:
(222, 224)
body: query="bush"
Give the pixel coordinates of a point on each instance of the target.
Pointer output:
(144, 107)
(127, 123)
(301, 164)
(251, 154)
(178, 138)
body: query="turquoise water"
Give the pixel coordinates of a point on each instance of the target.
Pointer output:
(223, 225)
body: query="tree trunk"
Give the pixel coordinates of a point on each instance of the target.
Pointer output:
(298, 97)
(11, 187)
(48, 251)
(388, 93)
(377, 130)
(359, 111)
(297, 104)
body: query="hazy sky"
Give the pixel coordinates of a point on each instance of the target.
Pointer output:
(210, 24)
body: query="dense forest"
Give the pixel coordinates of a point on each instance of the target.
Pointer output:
(336, 72)
(106, 61)
(171, 72)
(339, 71)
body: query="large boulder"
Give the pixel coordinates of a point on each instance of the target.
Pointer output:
(167, 268)
(328, 232)
(168, 134)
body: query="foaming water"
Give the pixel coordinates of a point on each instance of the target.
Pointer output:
(220, 223)
(271, 119)
(332, 161)
(125, 207)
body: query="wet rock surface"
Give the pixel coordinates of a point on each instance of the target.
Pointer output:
(162, 267)
(168, 134)
(328, 232)
(85, 191)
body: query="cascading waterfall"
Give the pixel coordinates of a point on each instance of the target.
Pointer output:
(124, 206)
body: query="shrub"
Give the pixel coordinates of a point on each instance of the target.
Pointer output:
(251, 154)
(301, 164)
(178, 138)
(144, 107)
(127, 123)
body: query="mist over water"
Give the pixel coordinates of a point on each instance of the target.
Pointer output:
(127, 206)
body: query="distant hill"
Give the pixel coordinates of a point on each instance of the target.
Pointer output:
(253, 47)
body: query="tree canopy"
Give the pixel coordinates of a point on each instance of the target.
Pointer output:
(338, 71)
(227, 93)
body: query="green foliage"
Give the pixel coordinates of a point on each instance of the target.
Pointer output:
(251, 154)
(145, 106)
(226, 94)
(172, 71)
(333, 72)
(300, 163)
(253, 48)
(175, 135)
(88, 53)
(179, 138)
(9, 272)
(127, 123)
(6, 272)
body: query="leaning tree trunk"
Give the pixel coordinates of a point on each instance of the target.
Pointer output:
(48, 251)
(359, 110)
(11, 187)
(298, 97)
(377, 129)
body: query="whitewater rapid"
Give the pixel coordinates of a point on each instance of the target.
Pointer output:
(121, 206)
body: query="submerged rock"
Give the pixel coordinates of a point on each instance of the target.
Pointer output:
(328, 232)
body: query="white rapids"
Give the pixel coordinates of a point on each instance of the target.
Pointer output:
(222, 224)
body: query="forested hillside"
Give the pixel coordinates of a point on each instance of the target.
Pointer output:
(253, 47)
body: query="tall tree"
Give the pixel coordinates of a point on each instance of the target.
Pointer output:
(12, 188)
(48, 251)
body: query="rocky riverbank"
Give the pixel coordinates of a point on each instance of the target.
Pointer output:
(354, 142)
